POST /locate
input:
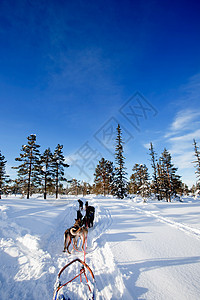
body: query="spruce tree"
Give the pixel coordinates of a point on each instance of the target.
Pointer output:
(75, 187)
(135, 179)
(29, 171)
(58, 166)
(4, 179)
(120, 181)
(139, 180)
(184, 189)
(16, 186)
(193, 189)
(197, 162)
(161, 178)
(154, 167)
(84, 187)
(46, 170)
(169, 180)
(145, 186)
(133, 187)
(103, 177)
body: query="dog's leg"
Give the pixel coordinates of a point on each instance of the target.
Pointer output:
(69, 242)
(75, 241)
(65, 240)
(84, 236)
(92, 222)
(79, 242)
(83, 242)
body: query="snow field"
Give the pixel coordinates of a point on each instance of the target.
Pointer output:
(136, 250)
(164, 261)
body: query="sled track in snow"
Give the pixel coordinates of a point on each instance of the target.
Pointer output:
(110, 281)
(97, 252)
(185, 228)
(102, 224)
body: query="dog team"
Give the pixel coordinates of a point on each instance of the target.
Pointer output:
(80, 227)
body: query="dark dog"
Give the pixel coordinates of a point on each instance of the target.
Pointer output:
(79, 216)
(89, 216)
(74, 233)
(80, 204)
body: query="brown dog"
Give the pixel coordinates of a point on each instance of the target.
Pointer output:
(75, 232)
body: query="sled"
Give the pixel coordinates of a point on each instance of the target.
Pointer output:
(60, 292)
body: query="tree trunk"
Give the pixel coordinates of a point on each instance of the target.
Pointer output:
(169, 185)
(45, 186)
(104, 183)
(57, 182)
(29, 176)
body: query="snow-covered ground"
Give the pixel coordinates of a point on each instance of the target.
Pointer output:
(136, 250)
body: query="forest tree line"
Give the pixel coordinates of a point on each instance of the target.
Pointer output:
(44, 173)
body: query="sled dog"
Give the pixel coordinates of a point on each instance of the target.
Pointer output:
(74, 233)
(89, 216)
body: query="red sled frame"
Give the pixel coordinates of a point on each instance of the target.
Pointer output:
(82, 271)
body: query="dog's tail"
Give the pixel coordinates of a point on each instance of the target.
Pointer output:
(74, 231)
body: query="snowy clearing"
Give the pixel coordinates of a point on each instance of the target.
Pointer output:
(136, 250)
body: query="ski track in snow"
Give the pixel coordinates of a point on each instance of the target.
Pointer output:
(185, 228)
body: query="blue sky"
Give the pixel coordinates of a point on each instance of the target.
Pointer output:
(69, 68)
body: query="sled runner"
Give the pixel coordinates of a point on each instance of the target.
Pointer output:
(60, 292)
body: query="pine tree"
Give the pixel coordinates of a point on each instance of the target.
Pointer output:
(139, 180)
(197, 162)
(29, 171)
(185, 189)
(84, 188)
(135, 180)
(160, 180)
(120, 181)
(103, 177)
(4, 179)
(133, 187)
(47, 171)
(193, 189)
(75, 187)
(154, 167)
(58, 166)
(16, 186)
(170, 182)
(145, 187)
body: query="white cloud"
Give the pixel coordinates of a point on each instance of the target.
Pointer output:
(185, 138)
(183, 119)
(182, 149)
(184, 160)
(182, 131)
(184, 128)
